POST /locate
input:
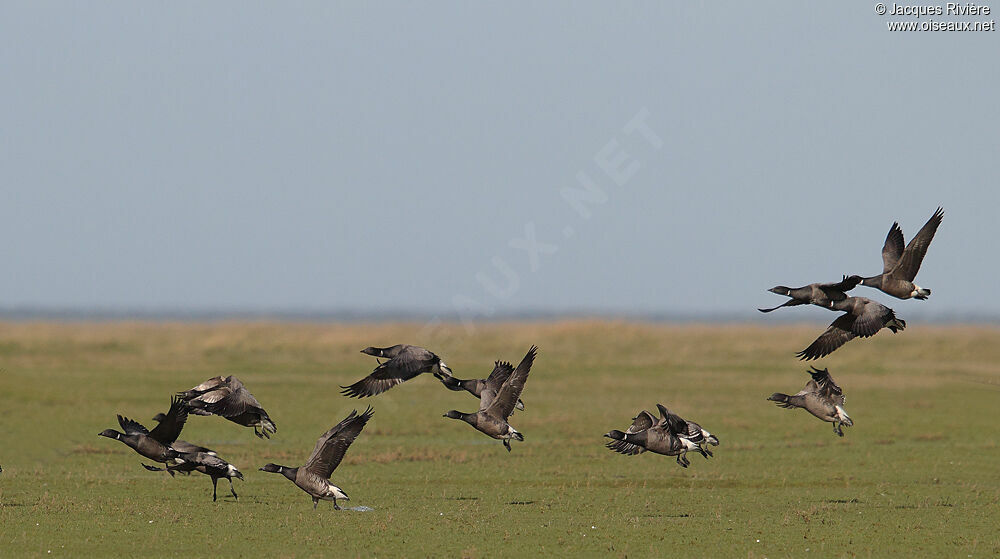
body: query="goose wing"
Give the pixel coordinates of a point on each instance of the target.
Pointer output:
(872, 318)
(827, 387)
(170, 428)
(811, 387)
(788, 303)
(837, 334)
(671, 422)
(641, 422)
(837, 290)
(131, 426)
(908, 265)
(892, 250)
(500, 373)
(330, 447)
(229, 400)
(406, 364)
(506, 398)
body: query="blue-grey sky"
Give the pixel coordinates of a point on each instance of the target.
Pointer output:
(395, 157)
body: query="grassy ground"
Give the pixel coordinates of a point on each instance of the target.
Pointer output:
(917, 475)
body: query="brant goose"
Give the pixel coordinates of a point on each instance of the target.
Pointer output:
(227, 397)
(207, 463)
(154, 444)
(497, 400)
(821, 294)
(404, 362)
(475, 386)
(820, 397)
(863, 317)
(671, 435)
(641, 422)
(899, 265)
(314, 476)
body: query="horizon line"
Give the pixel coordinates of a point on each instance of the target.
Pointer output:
(157, 314)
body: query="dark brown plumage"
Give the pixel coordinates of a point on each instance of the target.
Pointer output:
(227, 397)
(499, 396)
(476, 386)
(670, 435)
(899, 265)
(863, 317)
(207, 463)
(820, 294)
(820, 397)
(154, 444)
(314, 476)
(404, 362)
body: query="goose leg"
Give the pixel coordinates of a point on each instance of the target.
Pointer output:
(335, 507)
(215, 482)
(506, 443)
(315, 502)
(233, 489)
(837, 430)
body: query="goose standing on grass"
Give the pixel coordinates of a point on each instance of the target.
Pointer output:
(899, 265)
(207, 463)
(154, 444)
(404, 362)
(671, 435)
(497, 401)
(863, 317)
(820, 294)
(820, 397)
(476, 386)
(314, 476)
(227, 397)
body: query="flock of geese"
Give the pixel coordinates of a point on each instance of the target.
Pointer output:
(499, 394)
(862, 317)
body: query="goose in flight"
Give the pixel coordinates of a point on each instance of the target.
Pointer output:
(207, 463)
(314, 476)
(862, 317)
(821, 294)
(227, 397)
(476, 386)
(899, 265)
(497, 401)
(154, 444)
(671, 435)
(820, 397)
(404, 362)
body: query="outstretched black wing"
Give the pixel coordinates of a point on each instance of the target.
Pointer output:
(170, 428)
(913, 256)
(330, 447)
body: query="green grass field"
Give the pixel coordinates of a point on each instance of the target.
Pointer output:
(918, 475)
